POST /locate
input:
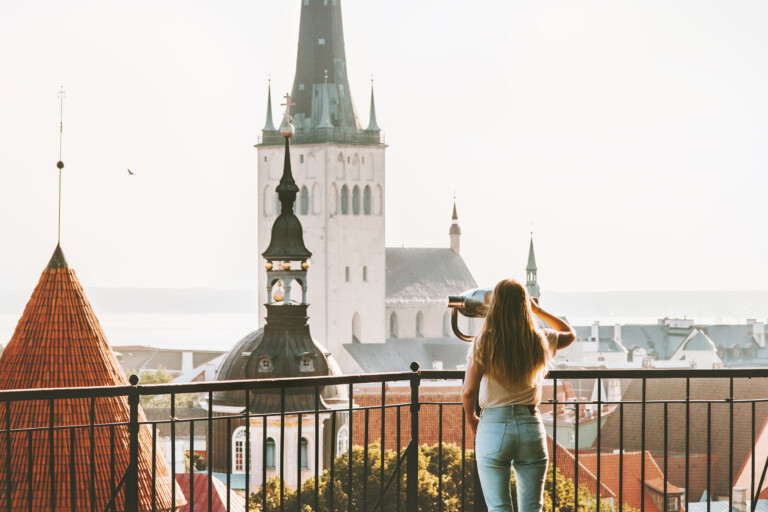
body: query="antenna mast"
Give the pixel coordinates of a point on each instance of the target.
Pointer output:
(60, 164)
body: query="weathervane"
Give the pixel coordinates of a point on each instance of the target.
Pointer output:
(60, 164)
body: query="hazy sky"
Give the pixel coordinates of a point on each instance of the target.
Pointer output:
(633, 134)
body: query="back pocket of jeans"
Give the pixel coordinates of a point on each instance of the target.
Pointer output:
(490, 438)
(533, 442)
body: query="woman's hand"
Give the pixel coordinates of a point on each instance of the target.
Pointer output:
(473, 419)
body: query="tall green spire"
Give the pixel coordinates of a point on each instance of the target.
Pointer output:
(269, 126)
(372, 124)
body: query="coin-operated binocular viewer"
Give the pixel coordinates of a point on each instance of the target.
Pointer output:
(472, 304)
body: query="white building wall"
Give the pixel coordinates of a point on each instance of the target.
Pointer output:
(336, 240)
(289, 457)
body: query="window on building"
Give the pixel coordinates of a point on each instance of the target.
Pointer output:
(356, 328)
(344, 200)
(378, 201)
(346, 274)
(367, 200)
(301, 159)
(342, 440)
(356, 200)
(419, 324)
(333, 199)
(304, 453)
(270, 450)
(238, 450)
(672, 504)
(365, 273)
(393, 325)
(304, 199)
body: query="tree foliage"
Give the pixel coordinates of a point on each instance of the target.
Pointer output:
(161, 376)
(454, 485)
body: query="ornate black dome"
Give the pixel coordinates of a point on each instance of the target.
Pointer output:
(248, 357)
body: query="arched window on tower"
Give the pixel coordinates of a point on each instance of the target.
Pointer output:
(344, 200)
(365, 273)
(356, 328)
(304, 199)
(356, 200)
(270, 447)
(333, 199)
(378, 201)
(419, 324)
(346, 274)
(367, 200)
(341, 170)
(393, 325)
(304, 453)
(238, 450)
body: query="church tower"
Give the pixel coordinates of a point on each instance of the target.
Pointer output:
(531, 280)
(339, 169)
(455, 231)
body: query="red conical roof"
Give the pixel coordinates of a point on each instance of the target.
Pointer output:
(58, 343)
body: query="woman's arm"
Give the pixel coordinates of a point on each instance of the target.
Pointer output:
(565, 333)
(469, 392)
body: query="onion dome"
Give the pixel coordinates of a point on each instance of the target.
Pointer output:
(58, 343)
(297, 356)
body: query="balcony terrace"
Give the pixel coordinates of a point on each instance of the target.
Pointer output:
(673, 430)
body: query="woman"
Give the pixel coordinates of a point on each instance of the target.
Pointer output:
(506, 365)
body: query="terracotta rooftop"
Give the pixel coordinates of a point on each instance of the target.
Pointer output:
(58, 342)
(632, 489)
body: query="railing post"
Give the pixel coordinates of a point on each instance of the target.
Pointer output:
(412, 469)
(132, 473)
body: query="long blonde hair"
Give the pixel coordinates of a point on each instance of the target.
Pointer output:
(509, 348)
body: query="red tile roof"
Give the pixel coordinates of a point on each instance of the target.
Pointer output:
(219, 496)
(58, 342)
(631, 486)
(715, 389)
(429, 425)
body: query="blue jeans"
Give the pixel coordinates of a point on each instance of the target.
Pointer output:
(511, 436)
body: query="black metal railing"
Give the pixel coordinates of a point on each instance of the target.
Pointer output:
(383, 442)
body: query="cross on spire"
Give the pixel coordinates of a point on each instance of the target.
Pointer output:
(287, 103)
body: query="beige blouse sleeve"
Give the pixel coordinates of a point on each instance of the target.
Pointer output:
(551, 337)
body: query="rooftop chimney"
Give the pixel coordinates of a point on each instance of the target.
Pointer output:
(595, 332)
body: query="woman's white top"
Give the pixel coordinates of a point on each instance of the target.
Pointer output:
(495, 394)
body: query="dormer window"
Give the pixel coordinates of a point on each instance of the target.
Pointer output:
(307, 363)
(265, 364)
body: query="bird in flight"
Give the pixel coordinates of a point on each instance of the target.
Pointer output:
(130, 173)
